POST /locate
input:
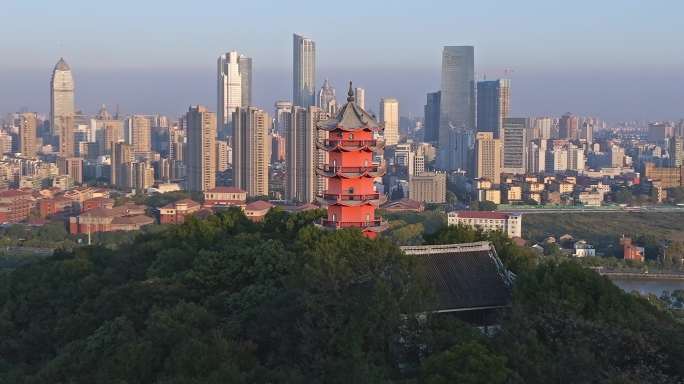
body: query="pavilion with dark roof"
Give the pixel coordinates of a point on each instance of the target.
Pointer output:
(470, 281)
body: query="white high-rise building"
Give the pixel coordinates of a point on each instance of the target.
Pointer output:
(389, 116)
(251, 150)
(61, 98)
(536, 156)
(360, 97)
(234, 78)
(326, 98)
(303, 71)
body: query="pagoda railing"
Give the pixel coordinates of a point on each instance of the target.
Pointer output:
(338, 169)
(348, 143)
(350, 196)
(351, 224)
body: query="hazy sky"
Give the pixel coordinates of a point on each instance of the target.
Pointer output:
(615, 59)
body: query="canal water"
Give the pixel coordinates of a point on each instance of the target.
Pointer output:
(646, 286)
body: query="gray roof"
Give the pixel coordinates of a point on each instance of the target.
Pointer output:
(351, 117)
(62, 65)
(465, 276)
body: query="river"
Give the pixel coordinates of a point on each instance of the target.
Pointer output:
(646, 286)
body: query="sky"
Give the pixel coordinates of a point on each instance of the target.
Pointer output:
(615, 59)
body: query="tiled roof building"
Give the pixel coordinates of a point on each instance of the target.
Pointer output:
(469, 279)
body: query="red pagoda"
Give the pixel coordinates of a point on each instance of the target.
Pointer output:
(351, 198)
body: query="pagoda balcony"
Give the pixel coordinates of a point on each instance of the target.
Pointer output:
(351, 199)
(352, 224)
(349, 145)
(350, 172)
(350, 196)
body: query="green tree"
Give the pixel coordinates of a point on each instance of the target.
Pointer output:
(467, 363)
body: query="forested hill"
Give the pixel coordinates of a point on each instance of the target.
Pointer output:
(225, 300)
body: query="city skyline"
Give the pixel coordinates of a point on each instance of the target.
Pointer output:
(580, 52)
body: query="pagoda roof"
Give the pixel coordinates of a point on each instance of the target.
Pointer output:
(351, 117)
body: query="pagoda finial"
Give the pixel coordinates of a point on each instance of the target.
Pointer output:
(350, 94)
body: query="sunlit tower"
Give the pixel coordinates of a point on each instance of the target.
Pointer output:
(351, 198)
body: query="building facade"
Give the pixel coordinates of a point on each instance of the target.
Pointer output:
(201, 148)
(514, 135)
(493, 105)
(431, 117)
(303, 71)
(457, 99)
(234, 79)
(27, 134)
(488, 152)
(302, 157)
(61, 98)
(508, 223)
(428, 187)
(251, 150)
(389, 118)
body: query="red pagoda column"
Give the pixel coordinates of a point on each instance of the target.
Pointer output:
(351, 198)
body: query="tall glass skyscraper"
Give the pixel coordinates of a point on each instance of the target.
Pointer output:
(457, 104)
(493, 105)
(432, 117)
(303, 71)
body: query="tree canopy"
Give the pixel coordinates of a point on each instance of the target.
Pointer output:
(226, 300)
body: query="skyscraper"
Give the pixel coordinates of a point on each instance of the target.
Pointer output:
(201, 159)
(676, 151)
(245, 65)
(61, 98)
(251, 150)
(234, 87)
(122, 154)
(360, 97)
(488, 157)
(568, 127)
(27, 134)
(140, 133)
(326, 98)
(493, 105)
(65, 129)
(302, 157)
(303, 71)
(536, 156)
(432, 117)
(283, 108)
(389, 117)
(514, 134)
(457, 99)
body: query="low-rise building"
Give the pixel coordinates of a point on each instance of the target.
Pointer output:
(583, 249)
(428, 187)
(493, 195)
(225, 197)
(404, 205)
(15, 205)
(257, 210)
(508, 223)
(631, 251)
(175, 213)
(127, 217)
(590, 198)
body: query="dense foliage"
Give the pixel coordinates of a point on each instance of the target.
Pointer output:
(225, 300)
